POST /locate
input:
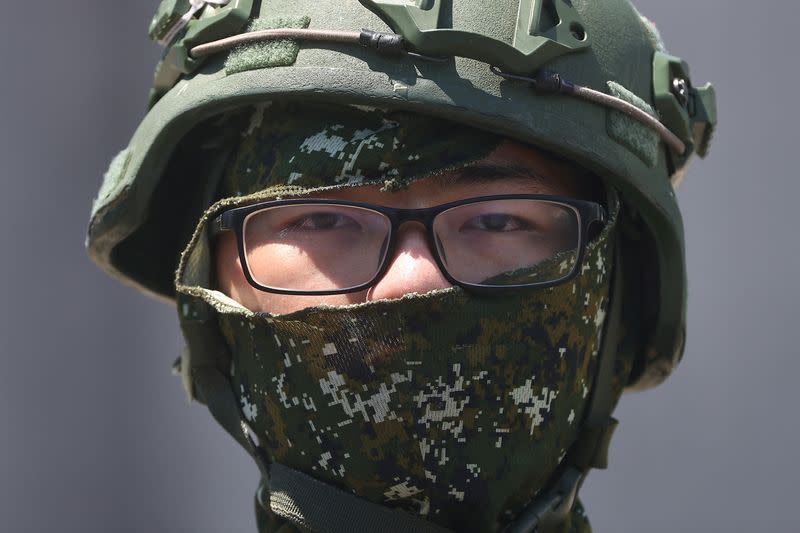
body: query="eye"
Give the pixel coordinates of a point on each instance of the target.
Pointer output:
(323, 221)
(497, 222)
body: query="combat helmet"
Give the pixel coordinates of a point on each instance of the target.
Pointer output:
(587, 80)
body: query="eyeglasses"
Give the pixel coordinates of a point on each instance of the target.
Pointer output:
(317, 247)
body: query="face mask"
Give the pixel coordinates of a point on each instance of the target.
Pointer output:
(447, 405)
(454, 407)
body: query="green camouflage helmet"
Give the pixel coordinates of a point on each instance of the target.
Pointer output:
(587, 80)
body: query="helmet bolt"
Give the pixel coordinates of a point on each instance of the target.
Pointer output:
(577, 31)
(680, 88)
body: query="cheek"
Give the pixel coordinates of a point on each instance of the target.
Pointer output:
(231, 281)
(230, 276)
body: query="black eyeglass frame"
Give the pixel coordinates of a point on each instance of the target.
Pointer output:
(588, 213)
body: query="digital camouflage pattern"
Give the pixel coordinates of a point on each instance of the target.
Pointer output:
(322, 145)
(450, 406)
(454, 407)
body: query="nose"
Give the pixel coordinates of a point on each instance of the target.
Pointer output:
(412, 267)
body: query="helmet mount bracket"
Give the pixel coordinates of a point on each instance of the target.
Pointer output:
(688, 111)
(227, 18)
(545, 30)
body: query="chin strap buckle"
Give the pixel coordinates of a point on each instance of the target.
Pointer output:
(549, 511)
(552, 508)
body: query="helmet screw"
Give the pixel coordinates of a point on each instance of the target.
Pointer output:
(681, 91)
(577, 31)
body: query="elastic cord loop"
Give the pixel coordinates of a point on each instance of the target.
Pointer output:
(549, 82)
(300, 34)
(390, 44)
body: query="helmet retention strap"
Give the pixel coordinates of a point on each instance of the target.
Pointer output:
(550, 509)
(202, 365)
(295, 496)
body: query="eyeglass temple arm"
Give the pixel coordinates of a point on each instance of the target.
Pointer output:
(600, 214)
(218, 225)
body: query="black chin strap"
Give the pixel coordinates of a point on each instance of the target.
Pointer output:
(295, 497)
(550, 510)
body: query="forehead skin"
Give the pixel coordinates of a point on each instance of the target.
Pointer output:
(511, 168)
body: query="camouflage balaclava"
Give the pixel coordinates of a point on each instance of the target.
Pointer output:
(453, 407)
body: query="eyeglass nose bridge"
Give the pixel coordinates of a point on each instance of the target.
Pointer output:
(425, 216)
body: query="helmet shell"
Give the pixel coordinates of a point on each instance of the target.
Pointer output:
(150, 198)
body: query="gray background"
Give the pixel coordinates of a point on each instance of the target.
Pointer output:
(95, 435)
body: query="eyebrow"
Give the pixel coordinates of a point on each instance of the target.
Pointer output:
(484, 172)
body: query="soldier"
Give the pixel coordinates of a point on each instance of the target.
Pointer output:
(418, 249)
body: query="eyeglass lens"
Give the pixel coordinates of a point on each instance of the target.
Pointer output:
(323, 247)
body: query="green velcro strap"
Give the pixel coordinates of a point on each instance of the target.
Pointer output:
(591, 448)
(632, 134)
(266, 54)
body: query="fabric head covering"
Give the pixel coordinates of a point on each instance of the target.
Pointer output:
(294, 145)
(453, 407)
